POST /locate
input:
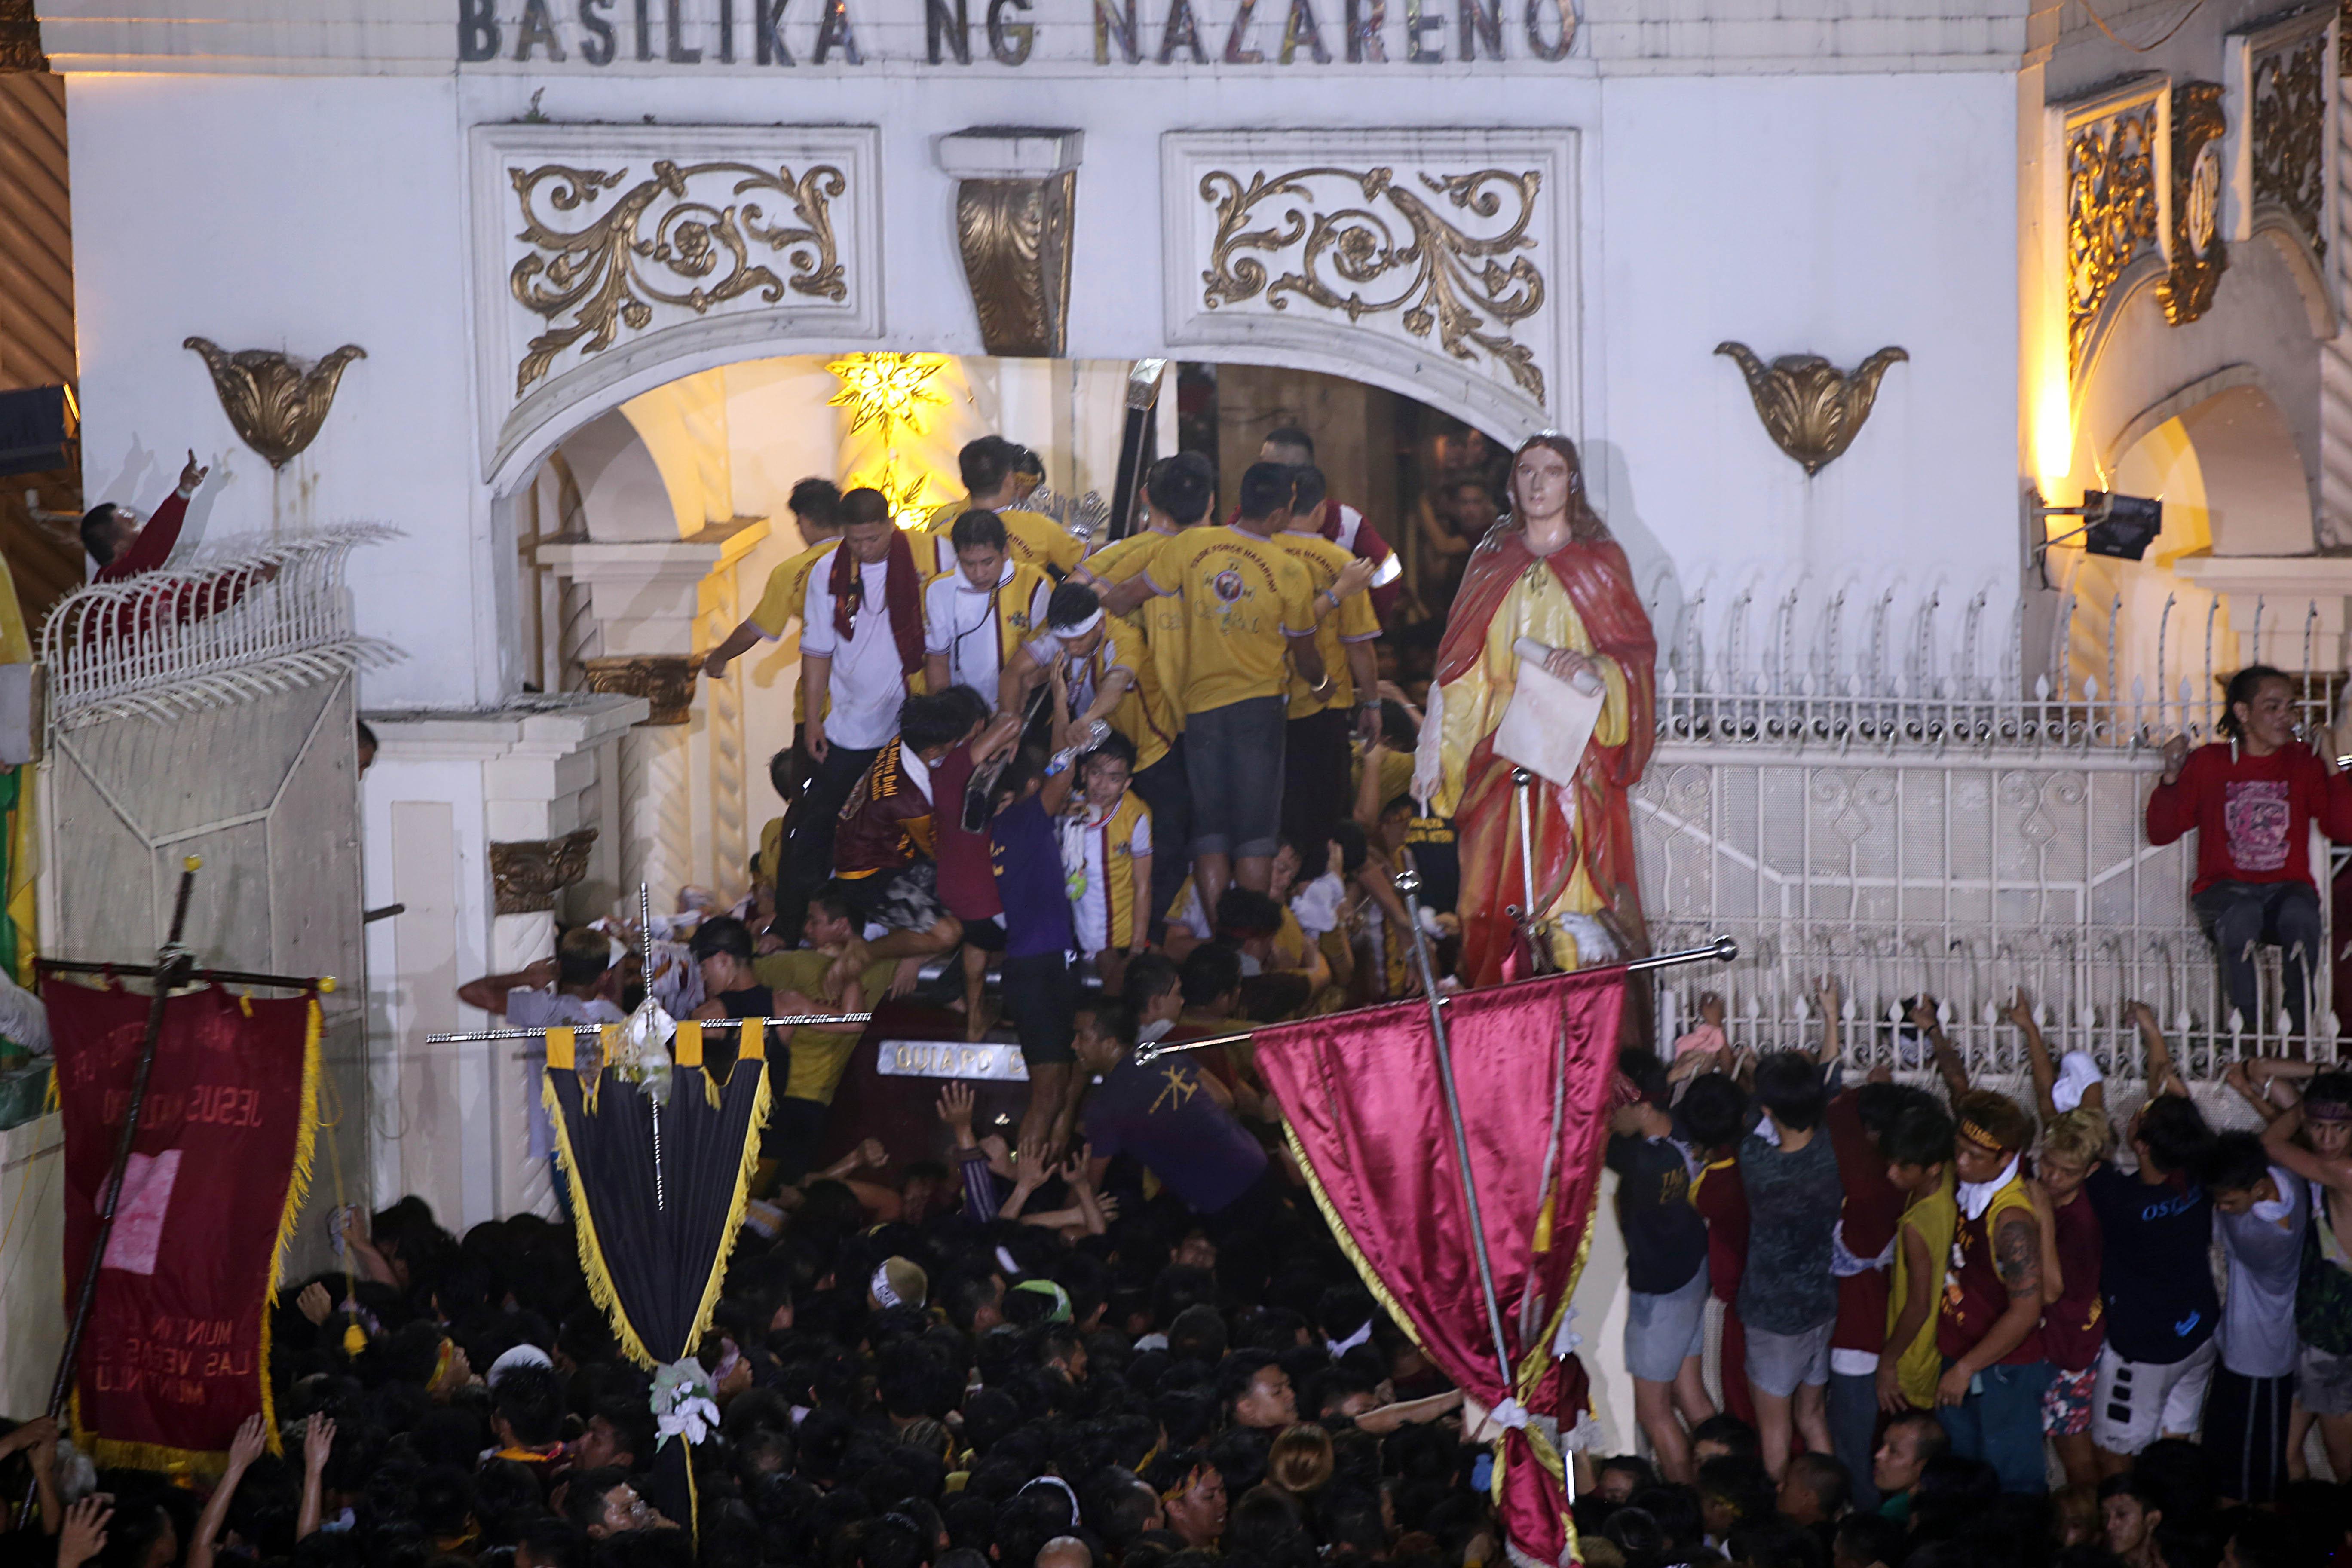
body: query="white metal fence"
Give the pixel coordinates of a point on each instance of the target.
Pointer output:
(1917, 804)
(253, 616)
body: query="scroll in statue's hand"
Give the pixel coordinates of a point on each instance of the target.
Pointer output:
(1576, 668)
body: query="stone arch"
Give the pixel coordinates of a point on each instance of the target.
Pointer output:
(526, 442)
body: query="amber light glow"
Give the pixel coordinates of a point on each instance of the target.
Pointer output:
(885, 393)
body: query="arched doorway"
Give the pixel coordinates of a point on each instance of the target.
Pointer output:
(646, 531)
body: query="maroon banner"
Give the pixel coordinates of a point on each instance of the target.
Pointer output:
(1534, 1065)
(177, 1349)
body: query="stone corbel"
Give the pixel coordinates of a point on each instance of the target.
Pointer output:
(1016, 193)
(527, 874)
(666, 681)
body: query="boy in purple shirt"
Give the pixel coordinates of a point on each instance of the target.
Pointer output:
(1039, 988)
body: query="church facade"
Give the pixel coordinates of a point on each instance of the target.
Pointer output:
(1836, 296)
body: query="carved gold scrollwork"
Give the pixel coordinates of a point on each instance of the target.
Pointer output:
(2199, 255)
(2290, 135)
(1014, 235)
(2110, 212)
(600, 273)
(1812, 409)
(1439, 276)
(526, 874)
(666, 681)
(274, 403)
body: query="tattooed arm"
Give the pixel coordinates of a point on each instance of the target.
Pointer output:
(2017, 1254)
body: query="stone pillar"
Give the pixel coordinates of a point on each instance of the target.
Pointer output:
(682, 786)
(473, 821)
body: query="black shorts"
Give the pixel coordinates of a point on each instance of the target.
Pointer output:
(1041, 994)
(2245, 1431)
(987, 935)
(904, 900)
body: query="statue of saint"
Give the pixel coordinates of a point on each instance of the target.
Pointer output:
(1550, 572)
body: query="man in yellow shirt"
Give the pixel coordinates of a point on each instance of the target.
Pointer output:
(1316, 757)
(1178, 493)
(816, 511)
(1231, 611)
(991, 484)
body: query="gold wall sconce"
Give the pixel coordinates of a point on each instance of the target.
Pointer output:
(274, 403)
(1812, 409)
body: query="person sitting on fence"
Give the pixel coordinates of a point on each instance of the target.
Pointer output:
(2252, 801)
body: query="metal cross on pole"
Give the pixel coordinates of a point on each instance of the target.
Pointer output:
(650, 1023)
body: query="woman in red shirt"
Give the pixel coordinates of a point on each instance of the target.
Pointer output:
(2253, 802)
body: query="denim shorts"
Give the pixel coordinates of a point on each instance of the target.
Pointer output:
(1233, 759)
(2323, 1382)
(1777, 1364)
(1663, 1331)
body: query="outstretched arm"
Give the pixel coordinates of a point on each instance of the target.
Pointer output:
(2162, 1077)
(489, 993)
(243, 1449)
(1948, 1066)
(740, 641)
(1826, 997)
(2019, 1012)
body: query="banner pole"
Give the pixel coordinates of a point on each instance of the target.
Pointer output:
(1408, 883)
(173, 962)
(1722, 949)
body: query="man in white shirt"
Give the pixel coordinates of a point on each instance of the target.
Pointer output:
(979, 616)
(861, 638)
(579, 987)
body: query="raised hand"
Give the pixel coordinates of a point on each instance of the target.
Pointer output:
(955, 1110)
(315, 1303)
(194, 474)
(317, 1442)
(84, 1535)
(252, 1438)
(2176, 752)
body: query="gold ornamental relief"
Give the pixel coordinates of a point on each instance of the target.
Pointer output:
(1395, 252)
(2110, 212)
(2199, 254)
(666, 681)
(526, 874)
(2290, 135)
(660, 244)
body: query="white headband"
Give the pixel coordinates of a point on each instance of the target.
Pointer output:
(1083, 628)
(880, 1286)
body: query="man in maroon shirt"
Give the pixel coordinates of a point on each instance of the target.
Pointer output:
(112, 534)
(2253, 803)
(884, 842)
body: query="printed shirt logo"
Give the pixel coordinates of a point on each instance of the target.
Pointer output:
(2255, 812)
(1226, 585)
